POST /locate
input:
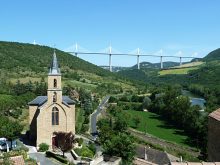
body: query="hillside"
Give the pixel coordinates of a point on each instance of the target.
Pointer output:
(214, 55)
(147, 65)
(206, 74)
(27, 62)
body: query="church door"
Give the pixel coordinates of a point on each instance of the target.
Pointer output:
(54, 142)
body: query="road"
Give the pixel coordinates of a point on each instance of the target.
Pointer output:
(40, 157)
(93, 121)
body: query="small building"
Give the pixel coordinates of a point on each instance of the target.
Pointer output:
(51, 113)
(213, 136)
(146, 155)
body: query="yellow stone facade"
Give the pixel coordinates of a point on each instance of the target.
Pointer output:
(40, 111)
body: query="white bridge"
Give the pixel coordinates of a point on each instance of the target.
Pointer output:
(108, 52)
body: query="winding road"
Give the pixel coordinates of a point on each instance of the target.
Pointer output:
(93, 121)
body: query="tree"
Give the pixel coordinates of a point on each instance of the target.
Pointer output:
(114, 138)
(121, 145)
(146, 103)
(137, 121)
(121, 123)
(88, 107)
(10, 129)
(64, 141)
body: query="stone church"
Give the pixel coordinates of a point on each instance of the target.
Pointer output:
(51, 113)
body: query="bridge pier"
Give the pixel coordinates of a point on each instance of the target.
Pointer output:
(76, 50)
(138, 58)
(180, 61)
(110, 62)
(138, 62)
(161, 62)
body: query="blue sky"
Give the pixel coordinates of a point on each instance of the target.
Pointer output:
(190, 27)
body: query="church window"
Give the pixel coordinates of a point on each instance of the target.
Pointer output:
(55, 83)
(54, 97)
(55, 116)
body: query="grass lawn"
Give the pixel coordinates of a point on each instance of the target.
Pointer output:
(153, 124)
(177, 71)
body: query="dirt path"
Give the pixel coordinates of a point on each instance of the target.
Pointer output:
(164, 144)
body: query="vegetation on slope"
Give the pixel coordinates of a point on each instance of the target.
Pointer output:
(214, 55)
(20, 57)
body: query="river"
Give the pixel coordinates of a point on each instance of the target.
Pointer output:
(194, 99)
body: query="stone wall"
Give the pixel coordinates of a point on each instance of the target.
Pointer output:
(213, 140)
(45, 129)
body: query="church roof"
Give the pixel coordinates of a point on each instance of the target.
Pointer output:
(40, 100)
(215, 114)
(54, 68)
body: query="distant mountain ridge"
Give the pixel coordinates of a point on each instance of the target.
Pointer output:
(144, 65)
(166, 64)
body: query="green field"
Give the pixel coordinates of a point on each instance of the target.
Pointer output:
(177, 71)
(153, 124)
(183, 69)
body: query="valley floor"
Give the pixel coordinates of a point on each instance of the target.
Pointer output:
(153, 124)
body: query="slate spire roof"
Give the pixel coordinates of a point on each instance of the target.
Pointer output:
(54, 68)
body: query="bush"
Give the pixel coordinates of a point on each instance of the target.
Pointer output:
(112, 99)
(56, 156)
(84, 152)
(16, 153)
(31, 161)
(43, 147)
(92, 147)
(79, 141)
(85, 128)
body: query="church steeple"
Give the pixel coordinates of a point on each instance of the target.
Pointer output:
(54, 68)
(54, 91)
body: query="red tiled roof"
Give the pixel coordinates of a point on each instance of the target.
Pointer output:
(215, 114)
(195, 163)
(17, 160)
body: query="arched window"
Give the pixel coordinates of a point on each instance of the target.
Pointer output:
(55, 83)
(55, 116)
(54, 97)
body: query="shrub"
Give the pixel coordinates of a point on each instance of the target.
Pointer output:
(56, 156)
(92, 147)
(85, 128)
(84, 152)
(87, 153)
(43, 147)
(79, 141)
(31, 161)
(16, 153)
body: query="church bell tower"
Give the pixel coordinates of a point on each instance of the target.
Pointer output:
(54, 91)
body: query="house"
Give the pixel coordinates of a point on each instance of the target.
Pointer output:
(51, 113)
(146, 155)
(213, 136)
